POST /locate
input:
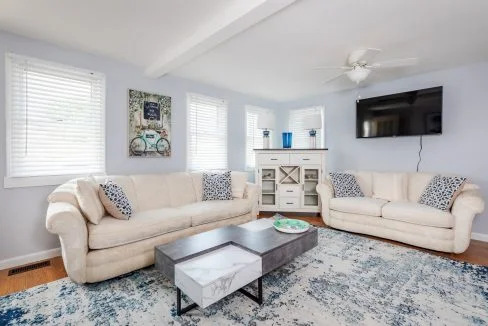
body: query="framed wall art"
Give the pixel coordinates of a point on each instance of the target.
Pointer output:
(149, 124)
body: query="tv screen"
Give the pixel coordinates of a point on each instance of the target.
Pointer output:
(404, 114)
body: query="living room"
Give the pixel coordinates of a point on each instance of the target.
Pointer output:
(223, 54)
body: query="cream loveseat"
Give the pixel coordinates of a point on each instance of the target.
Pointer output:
(390, 210)
(167, 207)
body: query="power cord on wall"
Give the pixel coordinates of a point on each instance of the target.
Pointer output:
(420, 156)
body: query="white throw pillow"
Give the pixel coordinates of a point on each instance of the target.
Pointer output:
(87, 196)
(390, 186)
(239, 180)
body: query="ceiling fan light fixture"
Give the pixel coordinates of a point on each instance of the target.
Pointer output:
(358, 74)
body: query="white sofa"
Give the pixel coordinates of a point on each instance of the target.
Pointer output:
(390, 210)
(167, 207)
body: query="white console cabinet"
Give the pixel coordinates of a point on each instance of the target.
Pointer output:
(288, 178)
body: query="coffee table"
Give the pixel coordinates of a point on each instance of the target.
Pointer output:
(213, 264)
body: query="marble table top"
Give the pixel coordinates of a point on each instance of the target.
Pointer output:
(216, 264)
(274, 247)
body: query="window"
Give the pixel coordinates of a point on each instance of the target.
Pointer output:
(254, 136)
(207, 133)
(301, 138)
(55, 122)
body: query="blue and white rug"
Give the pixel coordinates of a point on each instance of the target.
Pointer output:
(346, 279)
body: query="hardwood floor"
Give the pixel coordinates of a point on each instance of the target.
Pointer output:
(25, 280)
(477, 253)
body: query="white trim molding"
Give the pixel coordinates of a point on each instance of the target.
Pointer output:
(30, 258)
(479, 236)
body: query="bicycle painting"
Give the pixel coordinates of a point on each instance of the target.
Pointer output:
(149, 124)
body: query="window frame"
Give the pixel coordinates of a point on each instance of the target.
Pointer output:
(225, 103)
(320, 132)
(43, 180)
(257, 110)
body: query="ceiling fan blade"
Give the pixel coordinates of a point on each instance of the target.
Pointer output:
(334, 78)
(362, 55)
(332, 68)
(395, 63)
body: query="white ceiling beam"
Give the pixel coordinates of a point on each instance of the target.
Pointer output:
(232, 21)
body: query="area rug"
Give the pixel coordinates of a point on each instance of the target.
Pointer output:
(347, 279)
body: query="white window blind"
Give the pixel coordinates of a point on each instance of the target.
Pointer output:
(300, 136)
(254, 136)
(55, 119)
(207, 133)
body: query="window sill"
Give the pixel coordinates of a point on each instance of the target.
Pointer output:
(52, 180)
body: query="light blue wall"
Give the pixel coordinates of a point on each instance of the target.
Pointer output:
(461, 149)
(22, 210)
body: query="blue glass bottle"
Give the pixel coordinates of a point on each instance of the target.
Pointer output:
(287, 138)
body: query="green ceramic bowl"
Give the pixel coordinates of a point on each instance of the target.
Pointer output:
(289, 225)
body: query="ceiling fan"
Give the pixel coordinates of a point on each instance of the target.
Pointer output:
(359, 65)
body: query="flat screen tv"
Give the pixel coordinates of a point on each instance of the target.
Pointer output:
(411, 113)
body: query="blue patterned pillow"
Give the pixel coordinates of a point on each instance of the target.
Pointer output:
(441, 192)
(345, 185)
(216, 186)
(114, 200)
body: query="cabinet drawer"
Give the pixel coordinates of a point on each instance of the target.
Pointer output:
(290, 190)
(305, 159)
(272, 159)
(289, 202)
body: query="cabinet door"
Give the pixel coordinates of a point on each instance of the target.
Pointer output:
(269, 190)
(311, 175)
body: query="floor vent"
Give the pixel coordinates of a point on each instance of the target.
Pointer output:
(28, 268)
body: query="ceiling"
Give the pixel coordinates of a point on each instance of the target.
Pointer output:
(268, 52)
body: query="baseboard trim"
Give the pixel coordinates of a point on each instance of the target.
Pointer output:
(479, 236)
(30, 258)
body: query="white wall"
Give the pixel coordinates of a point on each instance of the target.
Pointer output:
(461, 149)
(22, 210)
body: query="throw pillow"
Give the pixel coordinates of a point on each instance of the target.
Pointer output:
(441, 192)
(345, 185)
(115, 200)
(217, 186)
(88, 199)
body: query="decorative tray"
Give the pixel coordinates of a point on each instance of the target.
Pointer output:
(289, 225)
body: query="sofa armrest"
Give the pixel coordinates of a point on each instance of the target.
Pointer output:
(465, 207)
(326, 193)
(470, 199)
(66, 221)
(252, 193)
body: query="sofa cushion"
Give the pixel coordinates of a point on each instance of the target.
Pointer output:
(345, 185)
(239, 181)
(417, 181)
(182, 191)
(217, 186)
(390, 186)
(441, 192)
(358, 205)
(418, 214)
(215, 210)
(365, 181)
(152, 191)
(88, 199)
(111, 232)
